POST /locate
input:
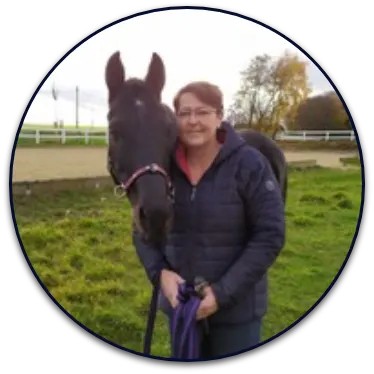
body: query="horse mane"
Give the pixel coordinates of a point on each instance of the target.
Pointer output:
(169, 112)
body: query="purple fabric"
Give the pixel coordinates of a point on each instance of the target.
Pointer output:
(185, 333)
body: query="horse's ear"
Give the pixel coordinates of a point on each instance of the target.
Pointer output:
(155, 79)
(114, 74)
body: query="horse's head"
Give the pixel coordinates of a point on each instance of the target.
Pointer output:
(142, 133)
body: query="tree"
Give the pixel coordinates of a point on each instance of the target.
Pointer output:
(271, 91)
(322, 112)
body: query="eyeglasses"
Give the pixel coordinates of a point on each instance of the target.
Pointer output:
(200, 114)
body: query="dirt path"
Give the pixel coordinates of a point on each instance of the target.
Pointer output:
(323, 158)
(32, 164)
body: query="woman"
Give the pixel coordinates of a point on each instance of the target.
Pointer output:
(228, 223)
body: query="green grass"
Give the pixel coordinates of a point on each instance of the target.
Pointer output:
(350, 161)
(30, 143)
(79, 245)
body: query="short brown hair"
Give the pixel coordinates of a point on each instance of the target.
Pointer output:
(206, 92)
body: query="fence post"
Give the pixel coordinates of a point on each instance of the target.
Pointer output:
(86, 136)
(37, 136)
(63, 136)
(352, 135)
(327, 136)
(304, 135)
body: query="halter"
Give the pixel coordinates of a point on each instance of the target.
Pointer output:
(123, 188)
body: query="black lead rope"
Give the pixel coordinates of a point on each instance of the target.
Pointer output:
(151, 317)
(153, 308)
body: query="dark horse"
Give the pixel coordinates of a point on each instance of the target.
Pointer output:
(142, 134)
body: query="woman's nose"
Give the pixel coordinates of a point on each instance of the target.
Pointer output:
(192, 119)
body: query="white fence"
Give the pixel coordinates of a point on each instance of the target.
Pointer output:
(86, 135)
(64, 135)
(317, 135)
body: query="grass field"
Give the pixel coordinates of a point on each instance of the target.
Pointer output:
(79, 245)
(350, 161)
(57, 142)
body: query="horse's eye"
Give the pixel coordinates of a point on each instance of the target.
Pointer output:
(115, 134)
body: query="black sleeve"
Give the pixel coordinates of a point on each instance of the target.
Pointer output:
(151, 258)
(265, 212)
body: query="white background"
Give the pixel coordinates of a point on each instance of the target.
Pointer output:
(27, 338)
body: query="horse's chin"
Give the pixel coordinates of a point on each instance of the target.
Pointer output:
(156, 239)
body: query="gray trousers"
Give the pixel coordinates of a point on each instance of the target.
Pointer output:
(228, 339)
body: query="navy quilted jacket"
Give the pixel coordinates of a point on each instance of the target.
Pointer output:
(228, 229)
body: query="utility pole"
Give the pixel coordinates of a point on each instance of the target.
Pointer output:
(76, 106)
(55, 98)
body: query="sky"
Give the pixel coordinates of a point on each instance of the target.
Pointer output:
(194, 45)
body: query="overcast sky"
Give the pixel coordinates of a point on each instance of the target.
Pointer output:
(194, 45)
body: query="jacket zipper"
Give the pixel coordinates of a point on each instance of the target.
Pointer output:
(193, 193)
(191, 229)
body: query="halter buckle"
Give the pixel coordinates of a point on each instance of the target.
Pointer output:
(200, 284)
(120, 191)
(153, 168)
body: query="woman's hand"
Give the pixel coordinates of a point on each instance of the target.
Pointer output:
(208, 305)
(169, 286)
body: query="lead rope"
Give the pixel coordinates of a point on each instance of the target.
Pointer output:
(152, 312)
(151, 318)
(184, 326)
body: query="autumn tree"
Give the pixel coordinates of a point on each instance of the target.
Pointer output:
(322, 112)
(271, 91)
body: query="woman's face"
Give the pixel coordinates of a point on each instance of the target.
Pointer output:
(197, 121)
